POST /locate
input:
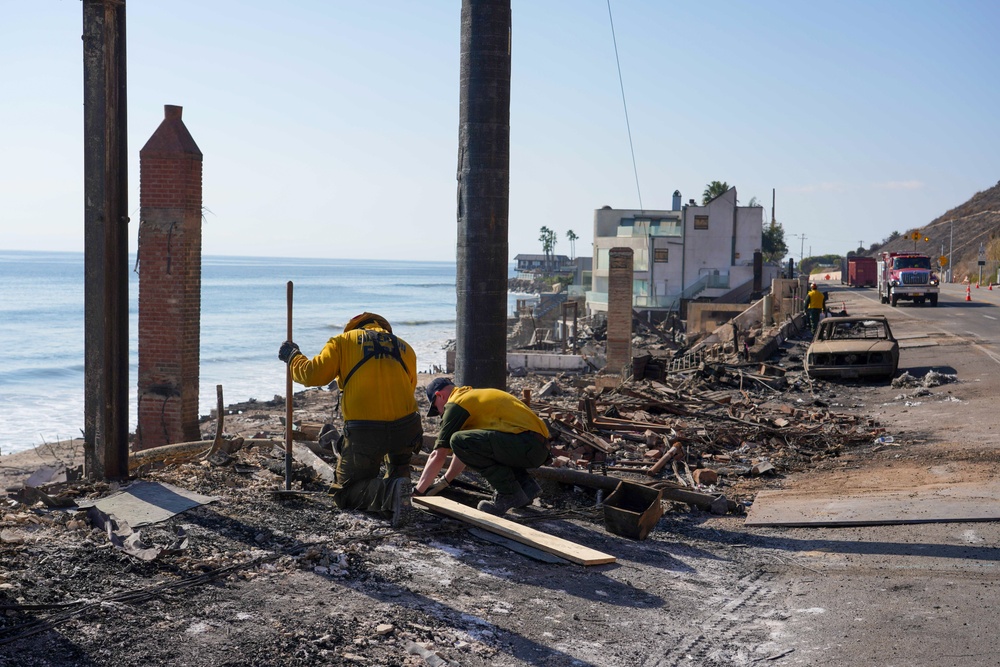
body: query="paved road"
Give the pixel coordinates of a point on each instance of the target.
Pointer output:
(979, 317)
(908, 595)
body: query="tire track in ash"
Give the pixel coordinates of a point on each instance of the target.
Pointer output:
(729, 630)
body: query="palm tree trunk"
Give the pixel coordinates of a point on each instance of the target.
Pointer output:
(483, 193)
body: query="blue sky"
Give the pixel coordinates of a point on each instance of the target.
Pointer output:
(330, 128)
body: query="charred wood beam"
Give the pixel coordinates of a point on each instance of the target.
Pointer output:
(105, 240)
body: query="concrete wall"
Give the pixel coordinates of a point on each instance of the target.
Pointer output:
(702, 317)
(547, 361)
(788, 295)
(712, 249)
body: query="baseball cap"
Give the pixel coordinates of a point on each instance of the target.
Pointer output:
(436, 385)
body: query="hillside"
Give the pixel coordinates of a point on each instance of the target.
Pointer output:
(974, 222)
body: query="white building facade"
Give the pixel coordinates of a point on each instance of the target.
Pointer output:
(687, 252)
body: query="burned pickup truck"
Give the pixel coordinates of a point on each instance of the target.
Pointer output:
(852, 347)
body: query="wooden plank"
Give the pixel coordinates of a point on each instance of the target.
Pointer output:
(504, 527)
(938, 503)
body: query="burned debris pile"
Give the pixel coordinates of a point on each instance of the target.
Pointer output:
(705, 428)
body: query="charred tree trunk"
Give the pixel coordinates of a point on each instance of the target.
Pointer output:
(483, 190)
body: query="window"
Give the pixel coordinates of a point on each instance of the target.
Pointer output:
(603, 258)
(640, 259)
(701, 222)
(661, 255)
(665, 227)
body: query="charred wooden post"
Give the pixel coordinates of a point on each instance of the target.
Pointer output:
(105, 168)
(483, 191)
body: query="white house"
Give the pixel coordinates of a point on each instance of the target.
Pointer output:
(689, 251)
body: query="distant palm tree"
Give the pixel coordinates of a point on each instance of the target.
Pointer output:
(547, 237)
(571, 237)
(553, 237)
(713, 190)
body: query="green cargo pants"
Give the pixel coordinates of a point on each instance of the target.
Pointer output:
(366, 446)
(502, 458)
(812, 318)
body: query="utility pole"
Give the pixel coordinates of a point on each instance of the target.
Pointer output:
(982, 261)
(105, 218)
(802, 246)
(951, 247)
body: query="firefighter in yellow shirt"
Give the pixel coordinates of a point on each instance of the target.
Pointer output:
(492, 433)
(377, 375)
(815, 302)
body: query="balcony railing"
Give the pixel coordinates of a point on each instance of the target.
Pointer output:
(639, 301)
(659, 301)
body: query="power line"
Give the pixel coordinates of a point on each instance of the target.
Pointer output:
(627, 126)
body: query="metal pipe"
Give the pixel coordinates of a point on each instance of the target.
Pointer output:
(288, 401)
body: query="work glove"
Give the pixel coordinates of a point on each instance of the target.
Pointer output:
(288, 351)
(436, 487)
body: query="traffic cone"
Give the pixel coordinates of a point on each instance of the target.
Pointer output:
(968, 292)
(977, 285)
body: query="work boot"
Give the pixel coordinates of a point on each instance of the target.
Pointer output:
(504, 501)
(530, 487)
(402, 508)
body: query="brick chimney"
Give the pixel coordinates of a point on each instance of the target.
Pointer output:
(170, 167)
(620, 277)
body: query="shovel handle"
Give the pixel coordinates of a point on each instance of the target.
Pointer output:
(288, 401)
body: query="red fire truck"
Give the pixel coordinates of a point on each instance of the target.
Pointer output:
(906, 276)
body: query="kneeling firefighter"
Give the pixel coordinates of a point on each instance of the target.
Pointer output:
(377, 375)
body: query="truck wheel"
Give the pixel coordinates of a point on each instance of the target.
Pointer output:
(893, 299)
(933, 298)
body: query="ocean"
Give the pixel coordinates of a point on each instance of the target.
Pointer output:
(243, 322)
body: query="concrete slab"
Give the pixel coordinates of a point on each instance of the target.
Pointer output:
(927, 504)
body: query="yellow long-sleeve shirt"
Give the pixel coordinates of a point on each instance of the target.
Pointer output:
(492, 409)
(380, 390)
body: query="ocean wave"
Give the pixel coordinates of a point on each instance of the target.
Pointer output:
(425, 285)
(36, 374)
(403, 323)
(417, 323)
